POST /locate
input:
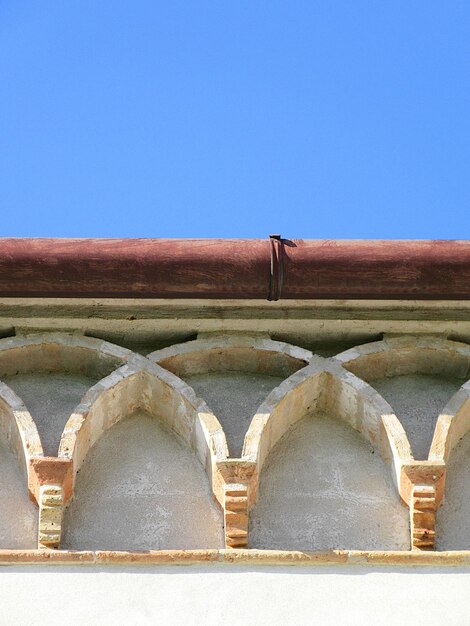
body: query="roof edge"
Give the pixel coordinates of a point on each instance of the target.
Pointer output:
(274, 268)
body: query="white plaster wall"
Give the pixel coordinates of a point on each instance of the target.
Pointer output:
(51, 399)
(139, 489)
(211, 595)
(234, 397)
(324, 487)
(417, 400)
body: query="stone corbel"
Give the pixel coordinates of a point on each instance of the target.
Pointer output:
(237, 480)
(422, 488)
(236, 515)
(51, 510)
(423, 517)
(50, 486)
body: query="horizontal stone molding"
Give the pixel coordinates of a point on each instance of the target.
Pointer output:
(234, 557)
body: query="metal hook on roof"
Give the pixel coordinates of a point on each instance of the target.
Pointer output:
(276, 278)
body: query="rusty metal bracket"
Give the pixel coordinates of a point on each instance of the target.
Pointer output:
(276, 278)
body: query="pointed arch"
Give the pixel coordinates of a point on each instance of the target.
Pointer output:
(142, 385)
(327, 390)
(396, 356)
(325, 385)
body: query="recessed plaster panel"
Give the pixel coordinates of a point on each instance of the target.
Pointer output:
(234, 397)
(139, 489)
(51, 399)
(18, 518)
(453, 517)
(417, 400)
(324, 487)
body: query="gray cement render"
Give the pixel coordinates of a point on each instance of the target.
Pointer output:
(234, 397)
(417, 400)
(139, 489)
(452, 519)
(324, 487)
(51, 399)
(18, 519)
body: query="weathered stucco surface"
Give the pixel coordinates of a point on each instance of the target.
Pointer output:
(139, 489)
(417, 400)
(234, 398)
(51, 399)
(324, 487)
(18, 518)
(453, 529)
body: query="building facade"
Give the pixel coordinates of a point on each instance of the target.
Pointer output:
(288, 419)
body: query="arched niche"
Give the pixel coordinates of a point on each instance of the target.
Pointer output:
(298, 468)
(139, 439)
(234, 374)
(147, 387)
(417, 375)
(324, 385)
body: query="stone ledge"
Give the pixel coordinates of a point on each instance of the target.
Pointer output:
(460, 558)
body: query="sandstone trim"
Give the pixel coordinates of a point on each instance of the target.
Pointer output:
(236, 557)
(51, 509)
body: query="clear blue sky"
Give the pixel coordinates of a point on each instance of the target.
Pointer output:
(325, 118)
